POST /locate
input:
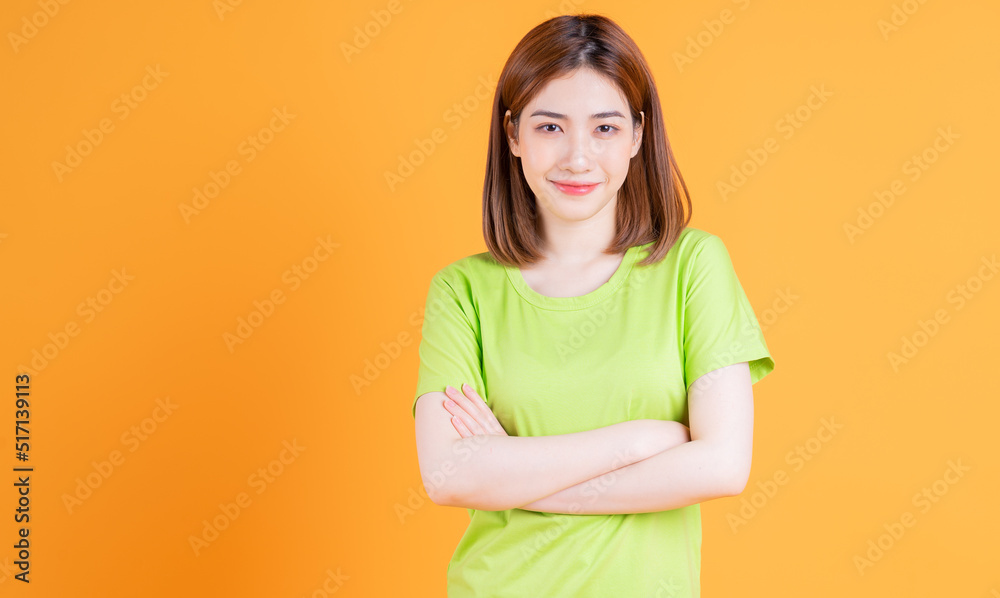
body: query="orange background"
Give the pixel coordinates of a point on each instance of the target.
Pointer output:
(834, 306)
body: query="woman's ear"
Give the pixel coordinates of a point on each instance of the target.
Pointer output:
(637, 136)
(511, 132)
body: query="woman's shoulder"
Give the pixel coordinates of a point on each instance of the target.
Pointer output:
(700, 249)
(470, 269)
(692, 237)
(686, 245)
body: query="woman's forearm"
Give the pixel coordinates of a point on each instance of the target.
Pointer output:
(495, 473)
(689, 473)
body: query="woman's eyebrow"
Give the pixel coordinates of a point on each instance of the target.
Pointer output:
(599, 115)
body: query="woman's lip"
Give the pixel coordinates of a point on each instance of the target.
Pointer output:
(575, 189)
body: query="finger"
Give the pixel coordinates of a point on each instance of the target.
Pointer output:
(456, 409)
(460, 426)
(475, 425)
(477, 400)
(456, 417)
(482, 411)
(469, 426)
(462, 401)
(465, 412)
(484, 414)
(487, 416)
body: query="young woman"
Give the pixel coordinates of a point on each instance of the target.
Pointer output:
(585, 383)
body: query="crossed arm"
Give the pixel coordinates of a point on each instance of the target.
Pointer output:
(635, 466)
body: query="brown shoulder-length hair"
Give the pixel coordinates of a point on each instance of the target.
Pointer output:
(649, 207)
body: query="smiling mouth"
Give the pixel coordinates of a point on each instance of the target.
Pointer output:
(575, 188)
(574, 184)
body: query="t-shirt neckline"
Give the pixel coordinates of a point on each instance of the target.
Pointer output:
(581, 301)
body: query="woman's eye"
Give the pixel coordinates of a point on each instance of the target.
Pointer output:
(600, 128)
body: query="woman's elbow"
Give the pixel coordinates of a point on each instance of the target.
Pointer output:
(737, 475)
(737, 484)
(468, 496)
(440, 483)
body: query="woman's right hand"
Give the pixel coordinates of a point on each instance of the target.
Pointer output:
(471, 416)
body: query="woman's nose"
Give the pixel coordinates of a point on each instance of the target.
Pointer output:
(579, 152)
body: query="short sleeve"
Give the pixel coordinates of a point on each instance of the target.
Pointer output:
(720, 327)
(450, 346)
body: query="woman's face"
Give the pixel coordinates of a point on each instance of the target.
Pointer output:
(577, 130)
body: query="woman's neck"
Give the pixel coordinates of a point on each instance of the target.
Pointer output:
(577, 243)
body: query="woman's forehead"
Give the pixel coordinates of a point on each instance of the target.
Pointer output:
(582, 94)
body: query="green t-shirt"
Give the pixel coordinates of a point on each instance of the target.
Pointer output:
(628, 350)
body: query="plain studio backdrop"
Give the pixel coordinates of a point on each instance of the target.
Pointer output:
(219, 222)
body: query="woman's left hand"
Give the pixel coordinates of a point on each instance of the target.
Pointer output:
(471, 415)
